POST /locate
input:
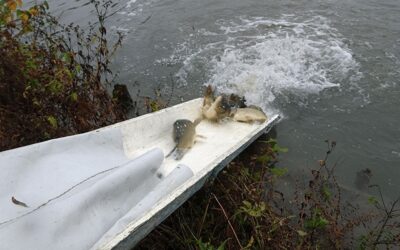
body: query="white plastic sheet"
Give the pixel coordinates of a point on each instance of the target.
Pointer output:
(81, 191)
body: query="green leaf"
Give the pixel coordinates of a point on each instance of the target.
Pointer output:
(78, 68)
(245, 172)
(316, 222)
(276, 148)
(263, 159)
(154, 106)
(301, 233)
(33, 83)
(53, 121)
(36, 102)
(47, 135)
(23, 15)
(208, 246)
(362, 242)
(74, 96)
(326, 192)
(55, 86)
(66, 57)
(250, 243)
(69, 73)
(372, 200)
(272, 141)
(222, 245)
(279, 172)
(247, 204)
(255, 210)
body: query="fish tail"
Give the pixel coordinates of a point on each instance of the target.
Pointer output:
(170, 152)
(209, 92)
(179, 154)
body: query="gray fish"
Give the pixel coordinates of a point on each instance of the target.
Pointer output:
(222, 107)
(184, 135)
(236, 101)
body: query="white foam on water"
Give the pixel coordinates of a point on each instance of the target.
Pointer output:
(133, 8)
(130, 2)
(262, 59)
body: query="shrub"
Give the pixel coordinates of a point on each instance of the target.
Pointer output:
(52, 76)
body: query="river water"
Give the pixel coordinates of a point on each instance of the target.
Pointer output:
(330, 68)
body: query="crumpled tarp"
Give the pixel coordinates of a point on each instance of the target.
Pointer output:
(80, 191)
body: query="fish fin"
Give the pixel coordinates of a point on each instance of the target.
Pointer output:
(201, 136)
(179, 154)
(209, 92)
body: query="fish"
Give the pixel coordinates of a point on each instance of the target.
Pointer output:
(222, 107)
(217, 111)
(255, 107)
(208, 98)
(248, 115)
(236, 101)
(184, 136)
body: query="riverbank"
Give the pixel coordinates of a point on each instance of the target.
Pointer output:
(245, 207)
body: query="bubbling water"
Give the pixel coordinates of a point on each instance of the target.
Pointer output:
(262, 59)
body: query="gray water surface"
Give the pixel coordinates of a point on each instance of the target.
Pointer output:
(331, 68)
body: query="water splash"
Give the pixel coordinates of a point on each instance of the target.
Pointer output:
(262, 59)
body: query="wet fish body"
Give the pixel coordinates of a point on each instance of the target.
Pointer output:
(184, 135)
(255, 107)
(249, 115)
(215, 109)
(218, 110)
(223, 108)
(209, 112)
(235, 101)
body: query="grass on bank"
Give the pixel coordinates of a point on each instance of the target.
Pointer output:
(243, 209)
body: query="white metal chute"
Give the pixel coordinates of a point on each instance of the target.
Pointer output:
(165, 187)
(108, 188)
(83, 213)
